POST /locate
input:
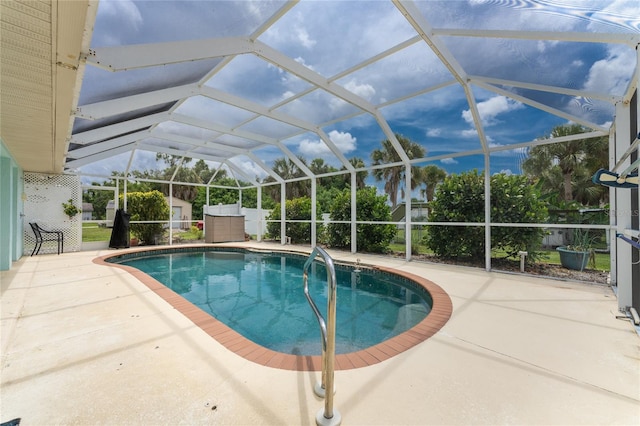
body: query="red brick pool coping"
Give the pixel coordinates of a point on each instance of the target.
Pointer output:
(235, 342)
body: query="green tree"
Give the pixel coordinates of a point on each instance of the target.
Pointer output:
(296, 209)
(205, 173)
(171, 160)
(369, 207)
(325, 197)
(178, 173)
(361, 176)
(567, 167)
(287, 169)
(394, 176)
(99, 199)
(319, 167)
(217, 195)
(460, 198)
(147, 206)
(139, 185)
(431, 175)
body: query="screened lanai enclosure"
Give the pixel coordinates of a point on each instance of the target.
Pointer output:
(275, 95)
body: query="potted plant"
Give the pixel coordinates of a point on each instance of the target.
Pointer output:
(70, 209)
(576, 255)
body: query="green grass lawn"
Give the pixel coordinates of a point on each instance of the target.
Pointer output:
(549, 256)
(93, 232)
(189, 235)
(603, 260)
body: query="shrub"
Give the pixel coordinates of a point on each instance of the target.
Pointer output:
(370, 207)
(197, 232)
(296, 209)
(146, 206)
(460, 198)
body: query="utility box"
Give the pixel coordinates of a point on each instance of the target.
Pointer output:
(221, 229)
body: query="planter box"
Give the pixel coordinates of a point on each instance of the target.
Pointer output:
(570, 259)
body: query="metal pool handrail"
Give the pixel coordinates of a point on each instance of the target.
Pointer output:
(328, 416)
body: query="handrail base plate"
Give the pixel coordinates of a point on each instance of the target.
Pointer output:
(321, 420)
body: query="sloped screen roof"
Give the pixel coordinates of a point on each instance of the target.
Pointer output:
(240, 83)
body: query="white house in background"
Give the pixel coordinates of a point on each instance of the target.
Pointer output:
(181, 212)
(87, 211)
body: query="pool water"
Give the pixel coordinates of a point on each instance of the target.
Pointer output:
(260, 296)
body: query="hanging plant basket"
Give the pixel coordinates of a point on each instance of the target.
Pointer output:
(70, 209)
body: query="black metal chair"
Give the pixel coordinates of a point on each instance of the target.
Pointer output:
(43, 235)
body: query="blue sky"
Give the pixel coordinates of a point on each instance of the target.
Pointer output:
(331, 37)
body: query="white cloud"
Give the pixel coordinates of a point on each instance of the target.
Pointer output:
(122, 9)
(301, 61)
(618, 13)
(343, 140)
(449, 161)
(470, 133)
(124, 15)
(303, 37)
(434, 132)
(491, 108)
(543, 45)
(287, 94)
(611, 75)
(314, 149)
(125, 10)
(507, 152)
(336, 105)
(250, 168)
(365, 91)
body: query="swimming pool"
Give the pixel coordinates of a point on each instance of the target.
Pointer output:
(260, 296)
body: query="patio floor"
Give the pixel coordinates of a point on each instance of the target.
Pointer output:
(89, 344)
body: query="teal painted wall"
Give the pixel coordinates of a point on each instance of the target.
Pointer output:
(11, 205)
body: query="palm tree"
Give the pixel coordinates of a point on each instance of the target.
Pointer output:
(431, 175)
(287, 169)
(394, 176)
(319, 167)
(567, 167)
(361, 176)
(183, 192)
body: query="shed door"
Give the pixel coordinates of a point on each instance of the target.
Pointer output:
(177, 216)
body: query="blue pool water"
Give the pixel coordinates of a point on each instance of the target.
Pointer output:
(260, 295)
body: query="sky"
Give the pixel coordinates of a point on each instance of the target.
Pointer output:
(330, 37)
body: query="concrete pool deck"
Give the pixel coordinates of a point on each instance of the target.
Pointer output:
(89, 344)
